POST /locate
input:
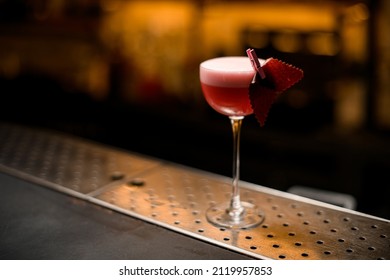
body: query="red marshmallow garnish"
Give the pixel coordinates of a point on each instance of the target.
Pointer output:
(270, 80)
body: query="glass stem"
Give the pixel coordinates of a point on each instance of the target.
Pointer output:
(235, 209)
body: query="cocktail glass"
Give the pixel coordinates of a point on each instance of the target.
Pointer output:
(225, 84)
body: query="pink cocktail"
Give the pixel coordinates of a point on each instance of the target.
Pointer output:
(225, 84)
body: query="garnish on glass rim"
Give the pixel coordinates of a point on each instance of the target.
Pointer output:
(271, 79)
(255, 63)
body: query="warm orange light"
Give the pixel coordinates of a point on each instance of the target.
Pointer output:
(323, 43)
(287, 42)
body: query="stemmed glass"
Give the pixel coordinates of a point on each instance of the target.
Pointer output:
(225, 84)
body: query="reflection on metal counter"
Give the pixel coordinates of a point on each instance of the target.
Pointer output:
(175, 197)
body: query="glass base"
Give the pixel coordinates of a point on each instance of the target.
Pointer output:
(250, 217)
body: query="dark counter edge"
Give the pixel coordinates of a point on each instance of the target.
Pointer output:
(38, 223)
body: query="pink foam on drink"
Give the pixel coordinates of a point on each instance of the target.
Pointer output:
(236, 71)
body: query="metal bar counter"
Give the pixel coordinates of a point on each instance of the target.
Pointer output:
(113, 204)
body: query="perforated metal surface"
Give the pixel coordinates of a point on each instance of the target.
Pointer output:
(67, 162)
(176, 197)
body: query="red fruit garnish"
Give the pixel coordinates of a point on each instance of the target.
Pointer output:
(279, 76)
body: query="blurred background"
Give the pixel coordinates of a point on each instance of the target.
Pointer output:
(125, 73)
